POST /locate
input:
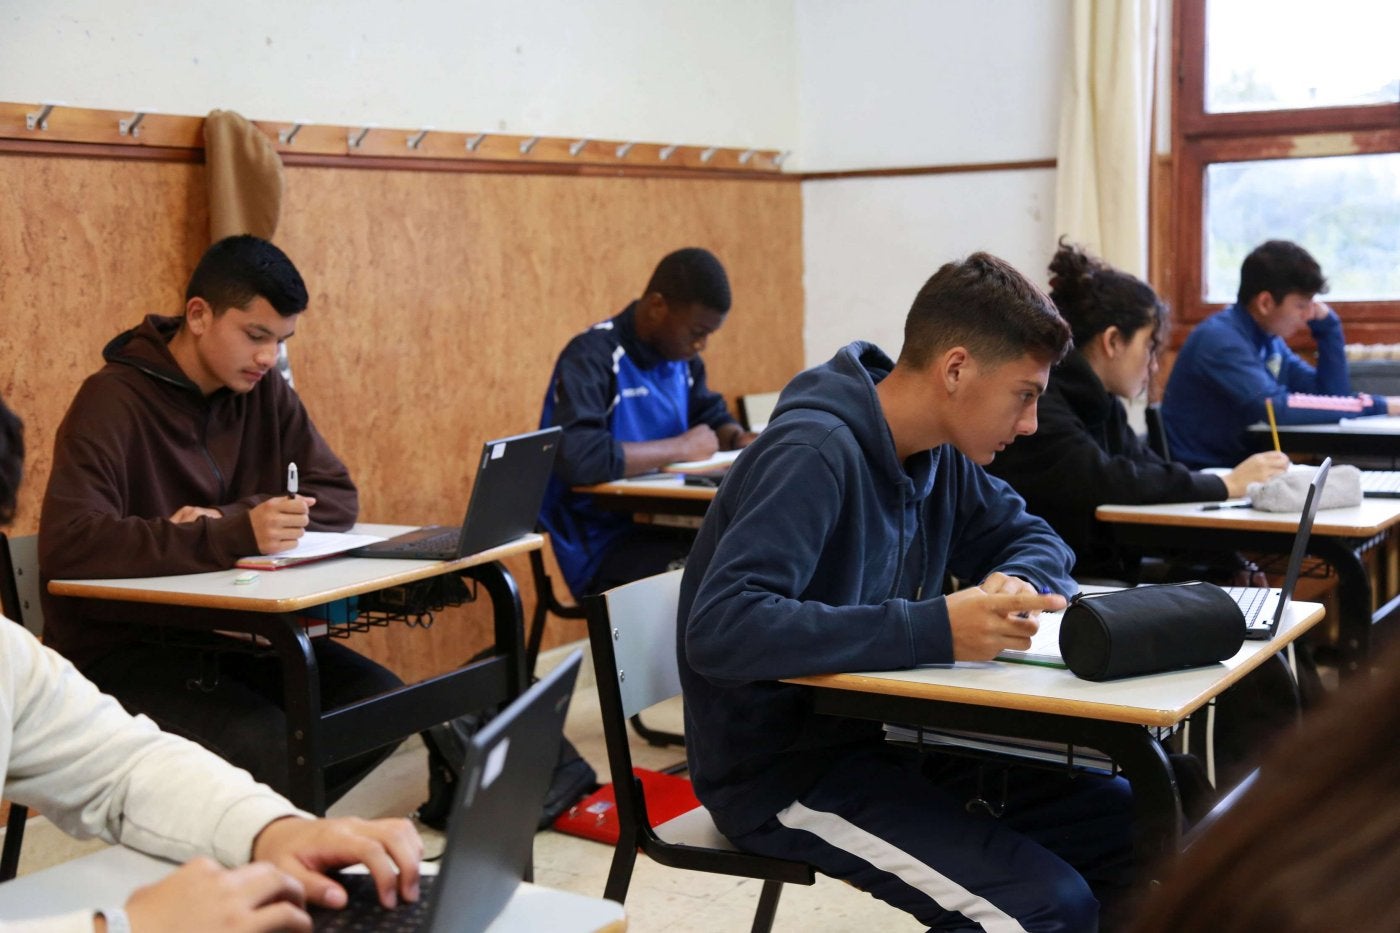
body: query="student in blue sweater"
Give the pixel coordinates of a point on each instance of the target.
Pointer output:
(630, 394)
(1237, 358)
(826, 550)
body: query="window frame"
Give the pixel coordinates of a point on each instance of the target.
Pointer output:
(1200, 139)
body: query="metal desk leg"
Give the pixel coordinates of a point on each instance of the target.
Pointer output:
(1156, 801)
(301, 698)
(1353, 597)
(509, 618)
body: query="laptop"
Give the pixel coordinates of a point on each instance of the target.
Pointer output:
(505, 503)
(1264, 607)
(1380, 484)
(507, 772)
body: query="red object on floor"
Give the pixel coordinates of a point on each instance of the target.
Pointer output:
(595, 816)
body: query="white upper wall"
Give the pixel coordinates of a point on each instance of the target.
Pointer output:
(929, 82)
(719, 72)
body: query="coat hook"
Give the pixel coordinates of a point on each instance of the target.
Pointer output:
(286, 136)
(577, 147)
(528, 144)
(666, 152)
(781, 157)
(131, 126)
(708, 154)
(40, 119)
(416, 139)
(746, 155)
(475, 141)
(354, 139)
(624, 149)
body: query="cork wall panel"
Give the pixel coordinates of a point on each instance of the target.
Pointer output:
(438, 304)
(87, 247)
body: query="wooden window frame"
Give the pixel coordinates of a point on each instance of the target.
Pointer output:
(1200, 139)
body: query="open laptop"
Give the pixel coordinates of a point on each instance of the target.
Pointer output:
(505, 503)
(1264, 607)
(507, 772)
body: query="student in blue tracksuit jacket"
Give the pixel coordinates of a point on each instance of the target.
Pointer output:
(631, 397)
(1237, 358)
(825, 550)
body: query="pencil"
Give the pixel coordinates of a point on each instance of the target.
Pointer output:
(1273, 425)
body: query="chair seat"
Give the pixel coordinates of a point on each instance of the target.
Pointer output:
(694, 828)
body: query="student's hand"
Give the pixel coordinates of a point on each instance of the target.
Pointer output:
(280, 522)
(985, 624)
(999, 582)
(1259, 468)
(390, 849)
(699, 443)
(189, 513)
(742, 439)
(203, 895)
(1320, 310)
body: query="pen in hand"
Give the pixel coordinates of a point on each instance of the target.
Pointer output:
(291, 480)
(1044, 591)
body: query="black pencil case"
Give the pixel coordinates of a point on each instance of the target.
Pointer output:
(1149, 629)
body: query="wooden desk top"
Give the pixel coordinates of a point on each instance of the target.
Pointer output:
(1152, 700)
(288, 589)
(662, 486)
(1369, 518)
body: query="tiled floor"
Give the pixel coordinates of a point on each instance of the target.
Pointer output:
(660, 899)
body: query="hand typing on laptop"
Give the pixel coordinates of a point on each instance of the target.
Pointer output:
(291, 855)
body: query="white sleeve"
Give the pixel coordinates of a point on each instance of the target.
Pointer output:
(79, 921)
(72, 753)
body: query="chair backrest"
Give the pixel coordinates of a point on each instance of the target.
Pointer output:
(1157, 432)
(19, 581)
(640, 622)
(756, 409)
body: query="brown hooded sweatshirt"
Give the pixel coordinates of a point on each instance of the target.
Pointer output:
(140, 441)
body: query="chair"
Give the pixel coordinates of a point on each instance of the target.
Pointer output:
(19, 598)
(756, 409)
(1157, 432)
(632, 631)
(547, 602)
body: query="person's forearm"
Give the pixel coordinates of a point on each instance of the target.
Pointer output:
(645, 456)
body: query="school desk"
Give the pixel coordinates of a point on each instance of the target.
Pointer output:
(268, 607)
(1372, 437)
(1339, 537)
(1029, 701)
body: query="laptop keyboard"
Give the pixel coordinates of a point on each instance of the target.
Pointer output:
(1381, 483)
(363, 911)
(443, 543)
(1250, 599)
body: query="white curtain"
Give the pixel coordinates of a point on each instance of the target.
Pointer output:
(1101, 196)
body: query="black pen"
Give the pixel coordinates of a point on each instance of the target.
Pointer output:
(1216, 506)
(291, 480)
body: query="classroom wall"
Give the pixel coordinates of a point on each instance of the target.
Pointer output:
(722, 72)
(891, 84)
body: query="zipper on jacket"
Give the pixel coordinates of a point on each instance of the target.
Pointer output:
(208, 454)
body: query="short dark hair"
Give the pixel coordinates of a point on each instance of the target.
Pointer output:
(11, 461)
(1281, 268)
(238, 269)
(985, 305)
(1093, 296)
(692, 275)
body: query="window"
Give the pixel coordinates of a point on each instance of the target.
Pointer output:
(1286, 124)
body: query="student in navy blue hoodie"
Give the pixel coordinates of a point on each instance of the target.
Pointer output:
(826, 550)
(630, 394)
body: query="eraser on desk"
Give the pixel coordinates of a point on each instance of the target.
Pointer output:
(247, 576)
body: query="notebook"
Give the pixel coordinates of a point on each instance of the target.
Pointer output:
(505, 503)
(1380, 484)
(507, 772)
(1263, 607)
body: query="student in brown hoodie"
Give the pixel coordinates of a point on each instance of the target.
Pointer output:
(172, 459)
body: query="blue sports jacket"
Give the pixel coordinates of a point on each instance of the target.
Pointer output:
(609, 387)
